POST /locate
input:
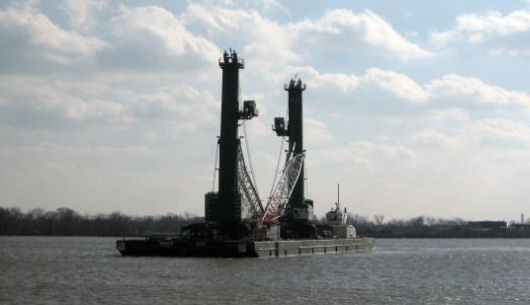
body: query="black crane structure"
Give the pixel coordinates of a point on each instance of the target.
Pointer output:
(299, 209)
(224, 207)
(282, 226)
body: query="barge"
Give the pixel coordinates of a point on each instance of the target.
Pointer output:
(177, 247)
(237, 222)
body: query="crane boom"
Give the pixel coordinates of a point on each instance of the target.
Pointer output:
(247, 188)
(283, 189)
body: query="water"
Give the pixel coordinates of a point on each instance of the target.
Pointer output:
(81, 270)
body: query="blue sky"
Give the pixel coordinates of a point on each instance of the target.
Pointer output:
(415, 107)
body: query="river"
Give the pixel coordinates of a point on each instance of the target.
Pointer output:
(88, 270)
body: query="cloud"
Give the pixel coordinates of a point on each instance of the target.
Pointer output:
(454, 116)
(338, 30)
(248, 4)
(316, 131)
(152, 38)
(502, 129)
(398, 84)
(345, 30)
(55, 149)
(127, 98)
(185, 109)
(502, 34)
(81, 12)
(450, 114)
(50, 103)
(370, 154)
(29, 37)
(259, 4)
(433, 138)
(452, 86)
(264, 40)
(345, 83)
(448, 87)
(71, 100)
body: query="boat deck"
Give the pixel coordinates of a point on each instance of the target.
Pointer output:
(241, 248)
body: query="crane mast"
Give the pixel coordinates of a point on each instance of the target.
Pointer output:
(224, 207)
(299, 209)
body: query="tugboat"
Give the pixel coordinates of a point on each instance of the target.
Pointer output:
(237, 222)
(338, 220)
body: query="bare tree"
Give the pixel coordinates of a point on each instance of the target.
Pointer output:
(379, 218)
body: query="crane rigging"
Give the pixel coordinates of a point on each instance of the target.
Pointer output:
(279, 201)
(281, 190)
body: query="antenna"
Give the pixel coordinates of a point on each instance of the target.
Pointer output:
(338, 196)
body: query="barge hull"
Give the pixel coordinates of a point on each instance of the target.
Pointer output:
(286, 248)
(237, 248)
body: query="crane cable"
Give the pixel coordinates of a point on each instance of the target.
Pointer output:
(247, 148)
(282, 141)
(215, 168)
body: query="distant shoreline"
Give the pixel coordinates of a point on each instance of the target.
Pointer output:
(372, 236)
(67, 222)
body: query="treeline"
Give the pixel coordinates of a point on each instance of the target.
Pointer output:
(428, 227)
(67, 222)
(365, 225)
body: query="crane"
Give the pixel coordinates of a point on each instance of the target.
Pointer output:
(268, 214)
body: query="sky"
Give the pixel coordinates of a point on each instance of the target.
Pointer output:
(414, 107)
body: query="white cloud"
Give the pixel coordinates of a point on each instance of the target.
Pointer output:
(454, 116)
(316, 131)
(153, 38)
(343, 82)
(344, 29)
(370, 154)
(270, 42)
(190, 109)
(267, 41)
(458, 87)
(398, 84)
(72, 100)
(184, 100)
(82, 12)
(451, 114)
(502, 129)
(183, 108)
(19, 134)
(270, 4)
(152, 84)
(249, 4)
(501, 51)
(450, 86)
(55, 149)
(28, 34)
(260, 4)
(433, 138)
(501, 33)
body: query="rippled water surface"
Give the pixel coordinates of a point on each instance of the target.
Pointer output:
(82, 270)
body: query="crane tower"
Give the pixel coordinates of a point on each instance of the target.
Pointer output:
(224, 207)
(299, 209)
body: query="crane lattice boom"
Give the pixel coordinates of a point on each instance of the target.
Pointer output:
(251, 201)
(283, 189)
